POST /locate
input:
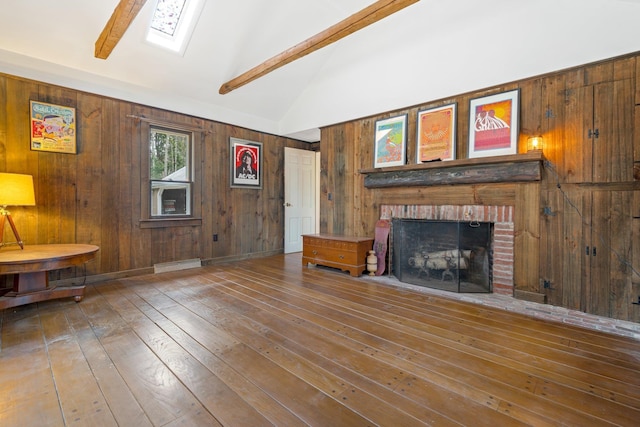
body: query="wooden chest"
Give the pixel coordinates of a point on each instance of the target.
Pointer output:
(344, 252)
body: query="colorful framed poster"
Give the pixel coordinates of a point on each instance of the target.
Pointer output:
(246, 163)
(493, 125)
(53, 128)
(436, 139)
(390, 142)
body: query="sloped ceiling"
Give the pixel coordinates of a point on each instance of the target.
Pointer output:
(431, 50)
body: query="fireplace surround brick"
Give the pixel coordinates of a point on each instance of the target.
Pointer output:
(503, 232)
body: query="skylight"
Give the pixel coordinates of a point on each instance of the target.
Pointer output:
(167, 15)
(173, 22)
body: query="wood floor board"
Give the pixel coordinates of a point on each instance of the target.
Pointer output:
(27, 388)
(565, 335)
(211, 391)
(550, 362)
(80, 396)
(207, 388)
(457, 311)
(592, 345)
(324, 372)
(262, 340)
(550, 387)
(207, 333)
(162, 351)
(440, 373)
(267, 341)
(113, 387)
(201, 340)
(251, 394)
(486, 340)
(354, 358)
(314, 374)
(289, 385)
(162, 395)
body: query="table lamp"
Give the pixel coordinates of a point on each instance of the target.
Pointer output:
(15, 190)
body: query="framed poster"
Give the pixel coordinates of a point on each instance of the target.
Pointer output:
(53, 128)
(390, 142)
(246, 163)
(493, 125)
(436, 139)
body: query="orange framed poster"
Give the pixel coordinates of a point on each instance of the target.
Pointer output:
(493, 125)
(436, 138)
(53, 128)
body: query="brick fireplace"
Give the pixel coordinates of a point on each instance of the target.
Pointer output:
(503, 232)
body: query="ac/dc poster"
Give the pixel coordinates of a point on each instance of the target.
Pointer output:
(246, 163)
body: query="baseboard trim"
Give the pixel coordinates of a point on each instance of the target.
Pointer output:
(530, 296)
(105, 277)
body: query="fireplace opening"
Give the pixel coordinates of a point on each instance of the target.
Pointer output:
(448, 255)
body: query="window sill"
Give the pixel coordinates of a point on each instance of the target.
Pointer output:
(170, 222)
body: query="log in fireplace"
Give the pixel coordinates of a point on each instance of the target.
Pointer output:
(449, 255)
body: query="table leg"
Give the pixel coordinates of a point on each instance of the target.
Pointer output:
(24, 283)
(34, 287)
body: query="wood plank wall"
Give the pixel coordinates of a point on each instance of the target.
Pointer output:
(589, 196)
(97, 196)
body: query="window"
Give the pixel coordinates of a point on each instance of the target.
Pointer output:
(173, 22)
(170, 172)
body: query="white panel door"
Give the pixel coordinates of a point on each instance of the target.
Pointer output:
(299, 197)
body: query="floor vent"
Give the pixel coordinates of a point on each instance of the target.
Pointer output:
(177, 265)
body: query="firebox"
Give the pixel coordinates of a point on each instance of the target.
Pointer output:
(449, 255)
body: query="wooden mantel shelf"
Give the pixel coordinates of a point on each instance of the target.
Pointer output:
(512, 168)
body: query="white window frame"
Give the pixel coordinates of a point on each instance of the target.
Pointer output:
(158, 186)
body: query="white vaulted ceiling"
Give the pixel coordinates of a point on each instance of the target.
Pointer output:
(430, 50)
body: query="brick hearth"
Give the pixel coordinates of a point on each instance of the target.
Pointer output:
(503, 231)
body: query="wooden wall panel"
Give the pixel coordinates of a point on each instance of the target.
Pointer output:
(636, 125)
(553, 128)
(556, 218)
(23, 158)
(4, 100)
(531, 111)
(98, 169)
(637, 79)
(526, 270)
(462, 130)
(636, 143)
(368, 211)
(551, 255)
(217, 209)
(625, 68)
(97, 196)
(598, 292)
(620, 254)
(123, 187)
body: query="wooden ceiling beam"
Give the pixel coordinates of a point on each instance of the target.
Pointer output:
(123, 15)
(367, 16)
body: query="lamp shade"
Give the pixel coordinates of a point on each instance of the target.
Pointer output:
(16, 190)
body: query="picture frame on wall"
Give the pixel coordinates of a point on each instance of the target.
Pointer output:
(390, 142)
(436, 135)
(493, 125)
(53, 128)
(246, 163)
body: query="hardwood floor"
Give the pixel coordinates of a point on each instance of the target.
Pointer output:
(269, 342)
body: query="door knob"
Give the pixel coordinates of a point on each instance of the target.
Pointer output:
(288, 204)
